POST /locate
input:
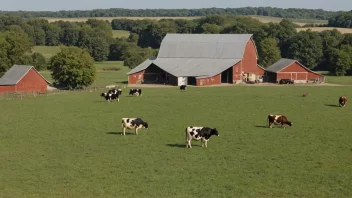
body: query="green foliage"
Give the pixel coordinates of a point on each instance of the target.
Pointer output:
(38, 61)
(268, 51)
(133, 38)
(72, 68)
(296, 13)
(342, 20)
(306, 47)
(207, 28)
(340, 62)
(99, 49)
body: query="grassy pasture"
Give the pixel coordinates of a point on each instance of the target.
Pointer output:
(120, 33)
(47, 51)
(69, 145)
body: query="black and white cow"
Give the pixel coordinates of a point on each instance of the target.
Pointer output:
(183, 87)
(133, 123)
(116, 91)
(136, 92)
(110, 96)
(199, 133)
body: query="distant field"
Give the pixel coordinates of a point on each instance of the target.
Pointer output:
(108, 73)
(47, 51)
(342, 80)
(111, 18)
(120, 33)
(319, 29)
(263, 19)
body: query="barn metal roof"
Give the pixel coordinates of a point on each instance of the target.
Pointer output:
(198, 67)
(16, 73)
(142, 66)
(218, 46)
(198, 55)
(279, 65)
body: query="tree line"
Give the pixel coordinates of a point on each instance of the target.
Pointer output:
(328, 50)
(296, 13)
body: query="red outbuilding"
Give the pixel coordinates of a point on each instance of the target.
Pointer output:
(200, 59)
(23, 78)
(292, 70)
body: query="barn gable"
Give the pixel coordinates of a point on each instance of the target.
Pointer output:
(16, 73)
(284, 63)
(198, 55)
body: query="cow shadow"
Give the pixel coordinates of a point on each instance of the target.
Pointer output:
(331, 105)
(181, 145)
(261, 126)
(100, 101)
(119, 133)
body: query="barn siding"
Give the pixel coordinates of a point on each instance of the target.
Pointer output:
(237, 72)
(299, 73)
(260, 71)
(209, 81)
(249, 60)
(133, 78)
(7, 88)
(32, 81)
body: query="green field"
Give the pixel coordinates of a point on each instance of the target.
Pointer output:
(120, 33)
(47, 51)
(108, 73)
(343, 80)
(69, 145)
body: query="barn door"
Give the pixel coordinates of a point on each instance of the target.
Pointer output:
(293, 76)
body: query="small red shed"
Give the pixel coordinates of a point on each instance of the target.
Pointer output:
(293, 70)
(23, 78)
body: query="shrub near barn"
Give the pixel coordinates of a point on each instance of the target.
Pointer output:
(72, 68)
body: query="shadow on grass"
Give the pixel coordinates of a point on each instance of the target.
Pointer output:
(119, 133)
(177, 145)
(331, 105)
(261, 126)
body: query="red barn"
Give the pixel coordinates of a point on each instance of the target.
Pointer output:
(293, 70)
(23, 78)
(199, 59)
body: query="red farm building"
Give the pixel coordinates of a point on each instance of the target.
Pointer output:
(291, 70)
(23, 78)
(200, 59)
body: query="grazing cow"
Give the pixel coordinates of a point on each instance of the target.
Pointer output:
(278, 120)
(137, 92)
(133, 123)
(342, 101)
(183, 87)
(199, 133)
(110, 96)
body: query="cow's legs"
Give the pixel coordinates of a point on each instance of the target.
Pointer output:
(201, 143)
(270, 124)
(136, 131)
(206, 145)
(124, 131)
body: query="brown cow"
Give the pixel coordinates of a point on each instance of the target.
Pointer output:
(342, 101)
(278, 120)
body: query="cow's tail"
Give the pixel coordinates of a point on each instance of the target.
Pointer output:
(267, 121)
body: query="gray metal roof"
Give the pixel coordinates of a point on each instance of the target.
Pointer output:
(198, 55)
(219, 46)
(142, 66)
(197, 67)
(279, 65)
(16, 73)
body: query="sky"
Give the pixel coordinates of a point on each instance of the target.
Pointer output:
(55, 5)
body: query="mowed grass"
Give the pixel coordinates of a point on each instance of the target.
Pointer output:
(120, 33)
(69, 145)
(342, 80)
(47, 51)
(108, 73)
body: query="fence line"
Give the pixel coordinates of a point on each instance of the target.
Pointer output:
(28, 95)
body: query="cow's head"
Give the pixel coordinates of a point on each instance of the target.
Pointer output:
(145, 125)
(103, 94)
(215, 132)
(289, 123)
(131, 91)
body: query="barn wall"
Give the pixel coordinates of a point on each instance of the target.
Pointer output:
(312, 75)
(32, 81)
(260, 71)
(302, 73)
(237, 72)
(133, 78)
(294, 67)
(4, 89)
(249, 60)
(215, 80)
